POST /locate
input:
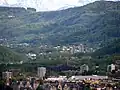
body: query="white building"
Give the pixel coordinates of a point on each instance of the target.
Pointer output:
(31, 56)
(41, 72)
(74, 78)
(112, 67)
(84, 67)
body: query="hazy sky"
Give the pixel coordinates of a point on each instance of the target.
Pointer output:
(46, 5)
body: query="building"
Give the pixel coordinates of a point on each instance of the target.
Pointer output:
(31, 56)
(0, 75)
(87, 77)
(6, 75)
(41, 72)
(32, 10)
(84, 68)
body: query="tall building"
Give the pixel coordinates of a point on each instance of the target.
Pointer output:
(41, 72)
(84, 68)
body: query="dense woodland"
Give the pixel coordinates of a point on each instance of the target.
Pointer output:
(93, 24)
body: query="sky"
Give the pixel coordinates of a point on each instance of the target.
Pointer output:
(45, 5)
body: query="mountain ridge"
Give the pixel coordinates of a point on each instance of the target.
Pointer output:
(92, 24)
(43, 5)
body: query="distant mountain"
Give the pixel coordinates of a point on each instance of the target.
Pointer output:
(43, 5)
(93, 24)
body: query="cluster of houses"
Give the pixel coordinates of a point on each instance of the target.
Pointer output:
(41, 71)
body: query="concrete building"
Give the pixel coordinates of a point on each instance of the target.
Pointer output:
(31, 56)
(111, 68)
(84, 68)
(41, 72)
(87, 77)
(6, 75)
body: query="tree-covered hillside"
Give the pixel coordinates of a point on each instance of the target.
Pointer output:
(111, 48)
(9, 56)
(92, 24)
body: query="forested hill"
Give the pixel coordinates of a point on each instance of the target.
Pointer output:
(92, 24)
(112, 48)
(9, 56)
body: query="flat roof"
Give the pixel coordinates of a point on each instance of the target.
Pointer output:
(87, 77)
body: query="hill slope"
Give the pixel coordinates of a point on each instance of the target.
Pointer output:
(92, 24)
(10, 56)
(109, 49)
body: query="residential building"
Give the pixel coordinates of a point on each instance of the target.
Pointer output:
(41, 72)
(6, 75)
